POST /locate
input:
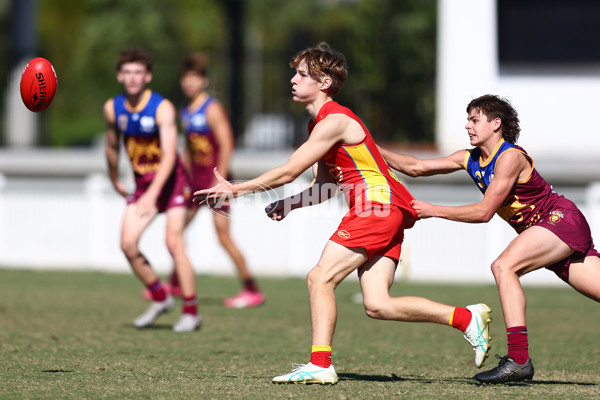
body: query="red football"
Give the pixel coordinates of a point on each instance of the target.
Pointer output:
(38, 84)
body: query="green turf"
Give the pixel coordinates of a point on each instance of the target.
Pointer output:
(69, 335)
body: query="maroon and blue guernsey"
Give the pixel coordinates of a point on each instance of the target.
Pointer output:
(139, 127)
(527, 202)
(202, 143)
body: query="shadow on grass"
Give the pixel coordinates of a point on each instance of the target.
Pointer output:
(56, 371)
(155, 327)
(534, 382)
(422, 379)
(396, 378)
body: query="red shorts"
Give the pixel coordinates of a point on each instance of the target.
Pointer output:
(568, 223)
(176, 192)
(378, 229)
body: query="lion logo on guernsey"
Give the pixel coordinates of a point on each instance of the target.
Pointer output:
(555, 217)
(344, 234)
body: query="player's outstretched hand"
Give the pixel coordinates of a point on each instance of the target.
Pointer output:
(223, 190)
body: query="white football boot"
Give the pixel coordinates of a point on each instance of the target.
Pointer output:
(188, 323)
(309, 373)
(477, 334)
(156, 309)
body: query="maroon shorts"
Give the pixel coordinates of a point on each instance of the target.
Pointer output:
(378, 229)
(176, 192)
(567, 222)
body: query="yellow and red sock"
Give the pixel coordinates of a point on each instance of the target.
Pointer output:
(460, 318)
(157, 290)
(190, 305)
(518, 345)
(321, 356)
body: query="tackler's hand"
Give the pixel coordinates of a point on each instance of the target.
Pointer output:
(423, 209)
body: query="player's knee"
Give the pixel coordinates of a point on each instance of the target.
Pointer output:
(129, 248)
(174, 244)
(312, 277)
(317, 277)
(499, 267)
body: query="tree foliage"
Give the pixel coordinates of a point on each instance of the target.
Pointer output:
(390, 46)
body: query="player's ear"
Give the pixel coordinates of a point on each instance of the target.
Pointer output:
(325, 83)
(148, 77)
(497, 123)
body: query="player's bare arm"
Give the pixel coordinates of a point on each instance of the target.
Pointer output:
(186, 159)
(113, 146)
(510, 167)
(333, 129)
(220, 125)
(412, 166)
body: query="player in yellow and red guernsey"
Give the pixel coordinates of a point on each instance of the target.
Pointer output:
(343, 155)
(146, 122)
(553, 233)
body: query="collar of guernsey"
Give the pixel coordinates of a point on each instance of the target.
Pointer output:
(361, 170)
(482, 171)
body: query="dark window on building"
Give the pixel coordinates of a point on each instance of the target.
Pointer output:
(548, 31)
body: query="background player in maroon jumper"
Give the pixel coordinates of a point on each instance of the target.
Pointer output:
(209, 145)
(146, 122)
(553, 233)
(342, 153)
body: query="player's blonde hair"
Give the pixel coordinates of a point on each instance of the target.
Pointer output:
(323, 61)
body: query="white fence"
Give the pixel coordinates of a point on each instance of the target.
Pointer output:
(74, 223)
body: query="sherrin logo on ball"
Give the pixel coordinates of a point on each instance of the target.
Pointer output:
(38, 84)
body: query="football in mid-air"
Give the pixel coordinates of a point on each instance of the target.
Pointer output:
(38, 84)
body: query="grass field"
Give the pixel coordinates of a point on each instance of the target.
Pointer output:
(69, 335)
